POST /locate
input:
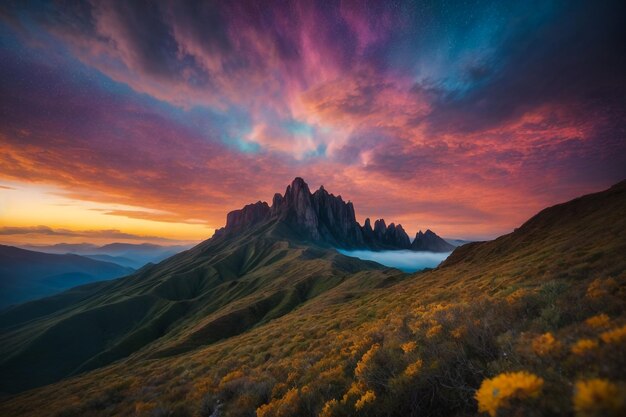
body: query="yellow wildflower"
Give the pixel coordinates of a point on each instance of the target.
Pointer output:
(545, 344)
(366, 398)
(408, 347)
(495, 393)
(355, 389)
(601, 320)
(583, 346)
(434, 331)
(361, 366)
(601, 287)
(231, 376)
(614, 336)
(280, 407)
(598, 397)
(414, 368)
(327, 411)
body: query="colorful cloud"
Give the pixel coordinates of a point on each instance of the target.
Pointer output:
(465, 118)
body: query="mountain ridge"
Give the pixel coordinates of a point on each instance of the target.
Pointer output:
(133, 255)
(323, 218)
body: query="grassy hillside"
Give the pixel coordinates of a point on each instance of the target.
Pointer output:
(533, 323)
(214, 291)
(26, 275)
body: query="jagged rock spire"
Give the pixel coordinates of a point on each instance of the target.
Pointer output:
(320, 217)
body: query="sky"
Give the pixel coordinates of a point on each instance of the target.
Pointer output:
(144, 121)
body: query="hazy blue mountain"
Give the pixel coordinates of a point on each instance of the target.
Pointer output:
(27, 275)
(133, 255)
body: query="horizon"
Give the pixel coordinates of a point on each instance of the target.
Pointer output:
(125, 126)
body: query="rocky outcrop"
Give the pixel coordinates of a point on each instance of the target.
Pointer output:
(249, 215)
(429, 241)
(320, 217)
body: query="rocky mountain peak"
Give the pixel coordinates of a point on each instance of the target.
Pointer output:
(380, 227)
(246, 217)
(320, 217)
(429, 241)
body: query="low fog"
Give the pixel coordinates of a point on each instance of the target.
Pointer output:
(404, 260)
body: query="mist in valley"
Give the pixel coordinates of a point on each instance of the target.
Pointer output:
(404, 260)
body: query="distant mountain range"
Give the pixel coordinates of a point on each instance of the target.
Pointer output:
(26, 275)
(326, 219)
(125, 254)
(458, 242)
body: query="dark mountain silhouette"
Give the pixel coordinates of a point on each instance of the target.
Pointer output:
(326, 219)
(26, 275)
(429, 241)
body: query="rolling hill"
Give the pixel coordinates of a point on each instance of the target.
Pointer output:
(265, 322)
(27, 275)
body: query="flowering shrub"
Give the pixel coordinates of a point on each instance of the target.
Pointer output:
(366, 398)
(329, 407)
(408, 347)
(355, 389)
(414, 368)
(281, 407)
(598, 397)
(497, 392)
(361, 367)
(601, 287)
(545, 344)
(434, 331)
(614, 336)
(600, 320)
(583, 346)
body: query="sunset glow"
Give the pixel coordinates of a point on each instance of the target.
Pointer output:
(452, 119)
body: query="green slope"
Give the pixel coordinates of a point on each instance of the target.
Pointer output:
(213, 291)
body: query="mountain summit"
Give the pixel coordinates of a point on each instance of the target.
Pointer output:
(326, 219)
(429, 241)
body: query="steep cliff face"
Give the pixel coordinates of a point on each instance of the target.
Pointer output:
(319, 217)
(248, 216)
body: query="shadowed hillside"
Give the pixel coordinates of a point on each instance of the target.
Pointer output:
(270, 327)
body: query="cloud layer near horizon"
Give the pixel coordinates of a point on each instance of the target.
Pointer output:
(45, 230)
(465, 119)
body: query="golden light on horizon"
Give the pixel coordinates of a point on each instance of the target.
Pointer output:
(24, 206)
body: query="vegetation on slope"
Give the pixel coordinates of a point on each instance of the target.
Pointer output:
(530, 324)
(213, 291)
